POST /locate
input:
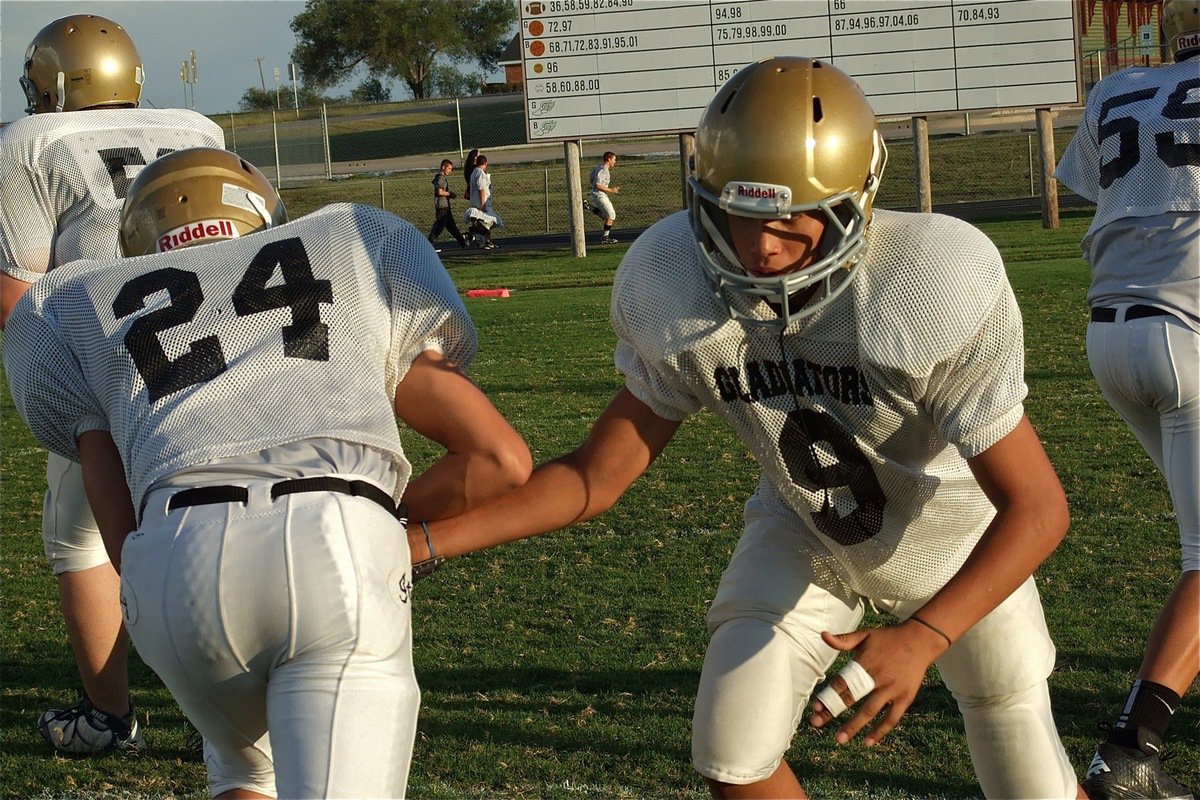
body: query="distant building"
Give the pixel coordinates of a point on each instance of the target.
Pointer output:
(510, 59)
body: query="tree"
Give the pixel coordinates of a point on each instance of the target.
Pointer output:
(398, 39)
(448, 81)
(371, 91)
(255, 99)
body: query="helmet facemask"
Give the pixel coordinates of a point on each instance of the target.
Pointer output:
(786, 136)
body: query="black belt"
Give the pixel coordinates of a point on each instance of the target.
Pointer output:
(208, 495)
(1105, 314)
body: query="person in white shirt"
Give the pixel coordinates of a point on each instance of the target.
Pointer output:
(873, 363)
(481, 216)
(64, 172)
(1136, 155)
(232, 396)
(600, 203)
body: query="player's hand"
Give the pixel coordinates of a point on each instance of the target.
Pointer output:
(616, 189)
(453, 195)
(896, 659)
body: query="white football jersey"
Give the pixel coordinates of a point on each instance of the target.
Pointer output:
(862, 415)
(1136, 152)
(600, 176)
(297, 332)
(63, 179)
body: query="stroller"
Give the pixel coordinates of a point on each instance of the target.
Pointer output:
(479, 226)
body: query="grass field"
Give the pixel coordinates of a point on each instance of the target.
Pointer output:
(565, 666)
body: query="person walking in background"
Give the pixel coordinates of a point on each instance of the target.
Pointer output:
(600, 203)
(873, 363)
(481, 217)
(443, 214)
(265, 574)
(64, 172)
(1136, 155)
(469, 169)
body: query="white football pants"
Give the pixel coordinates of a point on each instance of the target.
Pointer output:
(1147, 371)
(765, 657)
(283, 630)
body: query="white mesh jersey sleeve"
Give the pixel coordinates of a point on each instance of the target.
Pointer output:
(63, 179)
(62, 404)
(223, 349)
(1134, 153)
(860, 416)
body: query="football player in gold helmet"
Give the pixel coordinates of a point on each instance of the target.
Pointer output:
(872, 361)
(1143, 346)
(826, 176)
(81, 61)
(1181, 27)
(196, 196)
(232, 395)
(67, 168)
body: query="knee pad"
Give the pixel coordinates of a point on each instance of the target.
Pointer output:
(754, 687)
(70, 536)
(1015, 747)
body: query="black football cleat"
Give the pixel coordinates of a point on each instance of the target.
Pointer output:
(1125, 773)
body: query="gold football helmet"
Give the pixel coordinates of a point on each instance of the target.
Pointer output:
(81, 61)
(196, 196)
(785, 136)
(1181, 26)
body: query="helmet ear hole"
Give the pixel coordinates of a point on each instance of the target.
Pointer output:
(728, 101)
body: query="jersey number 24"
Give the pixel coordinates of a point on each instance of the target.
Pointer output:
(307, 337)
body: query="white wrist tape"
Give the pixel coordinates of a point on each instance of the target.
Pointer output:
(858, 681)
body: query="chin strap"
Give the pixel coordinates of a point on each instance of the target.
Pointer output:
(260, 206)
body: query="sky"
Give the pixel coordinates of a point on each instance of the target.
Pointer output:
(227, 35)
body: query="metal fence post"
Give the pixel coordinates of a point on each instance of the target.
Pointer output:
(546, 194)
(233, 132)
(1032, 191)
(275, 134)
(325, 139)
(382, 197)
(458, 119)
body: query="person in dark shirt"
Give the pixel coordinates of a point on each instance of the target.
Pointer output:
(443, 215)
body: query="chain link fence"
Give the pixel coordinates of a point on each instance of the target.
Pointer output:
(387, 156)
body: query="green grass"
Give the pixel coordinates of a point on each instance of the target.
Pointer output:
(566, 666)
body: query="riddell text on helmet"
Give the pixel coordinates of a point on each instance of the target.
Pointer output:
(755, 191)
(197, 232)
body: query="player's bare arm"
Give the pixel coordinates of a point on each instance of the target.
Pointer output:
(622, 444)
(484, 456)
(107, 491)
(1031, 520)
(11, 290)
